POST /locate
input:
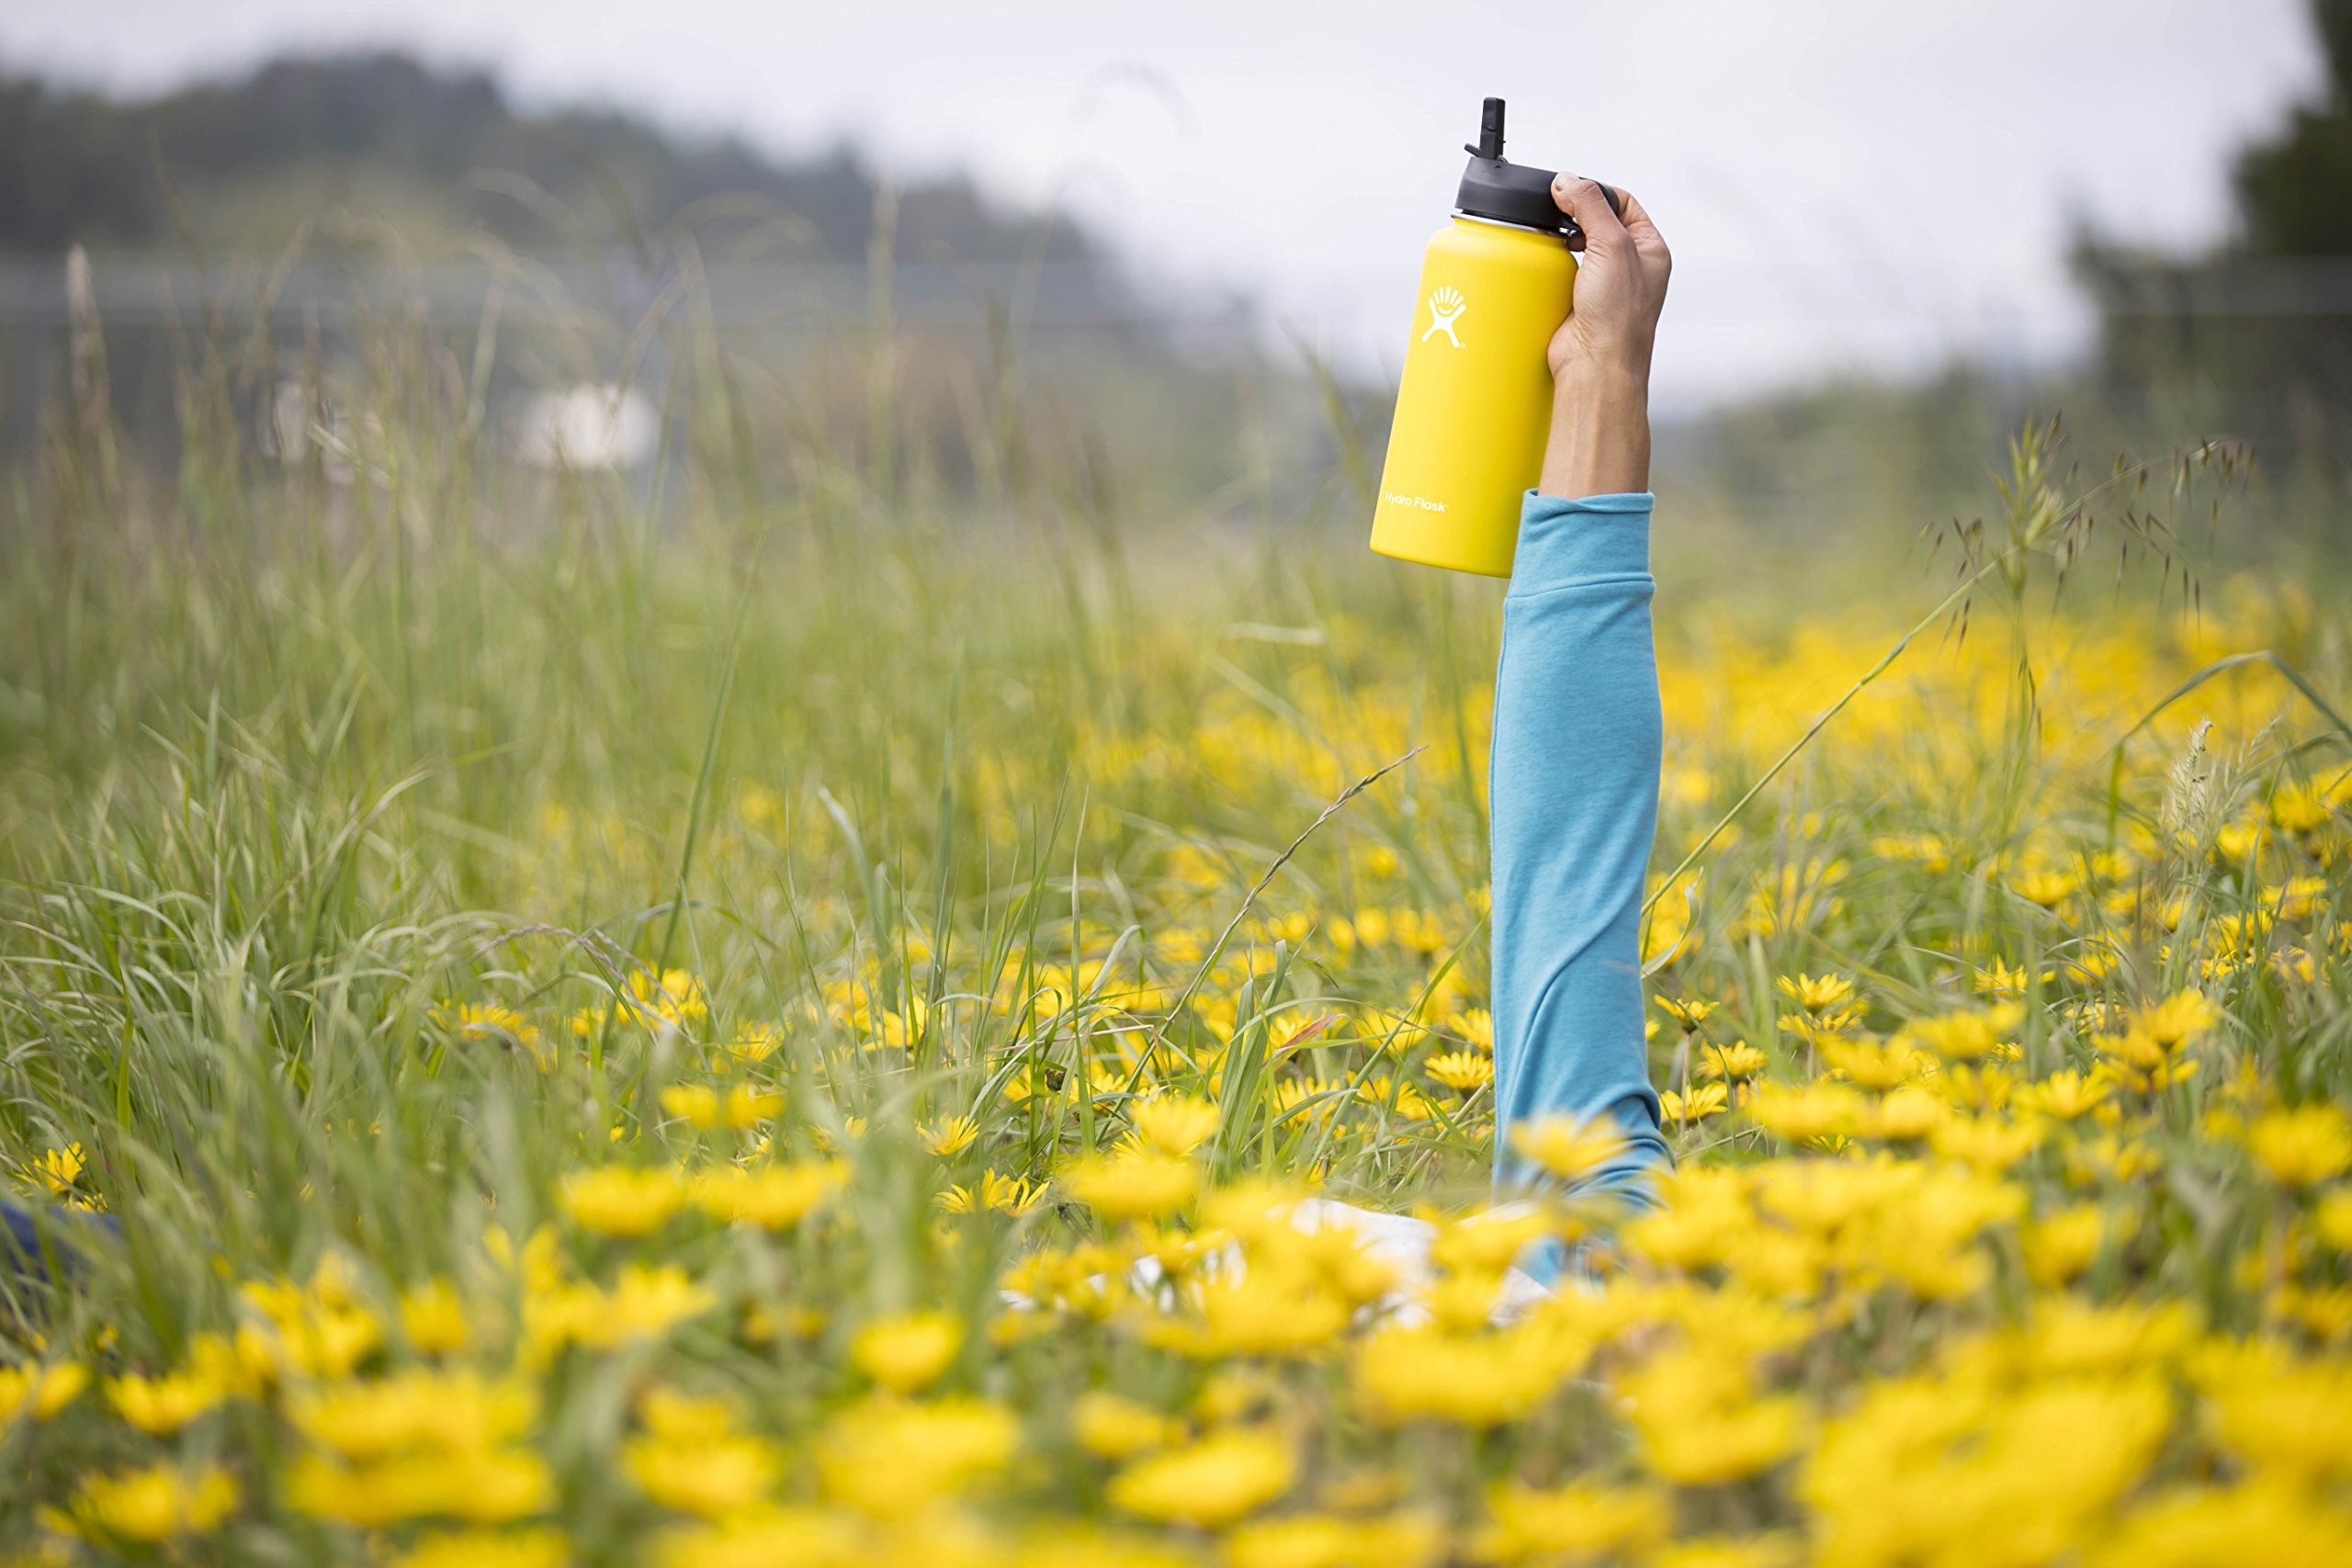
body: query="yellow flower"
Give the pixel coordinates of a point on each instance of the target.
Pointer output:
(700, 1106)
(900, 1031)
(1703, 1424)
(1210, 1483)
(1114, 1428)
(1689, 1013)
(1568, 1149)
(1965, 1036)
(488, 1021)
(2000, 979)
(1464, 1072)
(1175, 1124)
(684, 1418)
(1277, 1306)
(946, 1138)
(1986, 1142)
(2177, 1019)
(490, 1487)
(669, 1002)
(1816, 994)
(2289, 1421)
(1132, 1185)
(1015, 1195)
(747, 1107)
(1911, 1111)
(1328, 1541)
(1808, 1114)
(2332, 1218)
(1479, 1379)
(161, 1406)
(696, 1104)
(756, 1043)
(454, 1412)
(1703, 1100)
(1577, 1523)
(1411, 1104)
(773, 1197)
(622, 1201)
(487, 1548)
(58, 1169)
(2299, 807)
(888, 1458)
(2066, 1094)
(39, 1391)
(644, 1304)
(711, 1475)
(1724, 1552)
(2046, 886)
(2261, 1520)
(2302, 1147)
(2059, 1248)
(154, 1505)
(1871, 1065)
(908, 1354)
(1475, 1025)
(1736, 1060)
(771, 1538)
(435, 1318)
(1926, 848)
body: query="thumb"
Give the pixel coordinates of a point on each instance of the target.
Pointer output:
(1589, 202)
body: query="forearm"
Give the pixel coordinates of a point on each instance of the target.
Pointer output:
(1574, 783)
(1600, 443)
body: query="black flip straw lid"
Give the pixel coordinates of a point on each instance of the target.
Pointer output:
(1494, 187)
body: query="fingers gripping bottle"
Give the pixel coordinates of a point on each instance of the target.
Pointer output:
(1476, 402)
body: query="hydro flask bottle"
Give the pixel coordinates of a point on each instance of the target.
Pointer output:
(1476, 402)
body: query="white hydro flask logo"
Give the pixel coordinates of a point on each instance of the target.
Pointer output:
(1445, 308)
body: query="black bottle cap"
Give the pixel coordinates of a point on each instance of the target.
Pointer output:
(1520, 194)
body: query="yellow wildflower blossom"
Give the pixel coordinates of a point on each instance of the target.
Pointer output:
(773, 1197)
(150, 1507)
(161, 1406)
(908, 1354)
(39, 1391)
(712, 1476)
(888, 1456)
(1210, 1483)
(2304, 1146)
(540, 1548)
(622, 1201)
(1175, 1124)
(1132, 1185)
(1464, 1072)
(1110, 1427)
(1577, 1523)
(950, 1137)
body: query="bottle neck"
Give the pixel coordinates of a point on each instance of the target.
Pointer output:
(1529, 229)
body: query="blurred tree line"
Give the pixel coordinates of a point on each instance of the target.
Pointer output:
(2253, 338)
(373, 157)
(440, 154)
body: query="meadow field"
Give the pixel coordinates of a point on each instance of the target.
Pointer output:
(784, 1018)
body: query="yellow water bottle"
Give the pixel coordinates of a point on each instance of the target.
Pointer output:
(1476, 402)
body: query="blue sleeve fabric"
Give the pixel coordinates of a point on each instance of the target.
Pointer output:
(1574, 782)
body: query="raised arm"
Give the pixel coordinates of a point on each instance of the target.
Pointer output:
(1577, 735)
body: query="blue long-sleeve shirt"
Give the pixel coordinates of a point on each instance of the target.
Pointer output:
(1573, 781)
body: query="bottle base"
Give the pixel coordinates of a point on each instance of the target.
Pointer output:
(1442, 561)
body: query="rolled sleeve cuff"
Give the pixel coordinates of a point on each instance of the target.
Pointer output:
(1564, 541)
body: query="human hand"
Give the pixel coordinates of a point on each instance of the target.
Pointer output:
(1620, 286)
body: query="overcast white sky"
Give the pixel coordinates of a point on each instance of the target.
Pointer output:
(1847, 183)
